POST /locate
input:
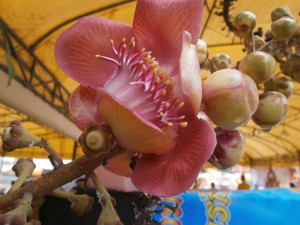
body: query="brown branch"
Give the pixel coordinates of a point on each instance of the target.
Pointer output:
(57, 178)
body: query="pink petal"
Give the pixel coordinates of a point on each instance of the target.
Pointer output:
(82, 106)
(132, 131)
(76, 48)
(174, 172)
(158, 26)
(190, 78)
(120, 164)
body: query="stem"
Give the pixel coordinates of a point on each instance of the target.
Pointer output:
(108, 214)
(20, 213)
(55, 179)
(63, 194)
(52, 152)
(19, 182)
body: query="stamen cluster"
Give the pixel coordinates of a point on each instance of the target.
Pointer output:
(143, 85)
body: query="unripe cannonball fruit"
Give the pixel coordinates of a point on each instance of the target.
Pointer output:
(230, 148)
(280, 84)
(272, 108)
(229, 98)
(244, 23)
(284, 28)
(260, 66)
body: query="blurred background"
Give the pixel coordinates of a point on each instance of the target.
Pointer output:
(39, 92)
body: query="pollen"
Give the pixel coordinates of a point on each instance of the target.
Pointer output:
(170, 124)
(181, 104)
(148, 58)
(183, 124)
(167, 105)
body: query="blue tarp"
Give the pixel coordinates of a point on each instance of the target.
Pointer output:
(276, 206)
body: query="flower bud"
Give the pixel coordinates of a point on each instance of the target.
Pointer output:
(284, 28)
(260, 66)
(229, 98)
(202, 51)
(258, 41)
(95, 140)
(280, 84)
(244, 23)
(221, 61)
(280, 12)
(15, 136)
(229, 149)
(272, 108)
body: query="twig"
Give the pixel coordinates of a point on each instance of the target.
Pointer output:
(57, 178)
(108, 214)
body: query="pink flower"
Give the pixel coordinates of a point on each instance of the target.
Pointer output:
(149, 103)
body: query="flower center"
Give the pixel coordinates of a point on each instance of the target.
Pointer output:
(141, 84)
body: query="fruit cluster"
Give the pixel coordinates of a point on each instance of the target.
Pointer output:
(249, 90)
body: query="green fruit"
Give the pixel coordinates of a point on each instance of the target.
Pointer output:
(260, 66)
(272, 108)
(280, 84)
(280, 12)
(244, 23)
(284, 28)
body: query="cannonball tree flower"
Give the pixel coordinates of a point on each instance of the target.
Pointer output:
(144, 84)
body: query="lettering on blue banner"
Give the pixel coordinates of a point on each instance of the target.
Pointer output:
(216, 207)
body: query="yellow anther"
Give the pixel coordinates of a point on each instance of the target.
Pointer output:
(161, 114)
(132, 39)
(167, 105)
(170, 124)
(168, 82)
(157, 80)
(181, 104)
(124, 46)
(149, 53)
(134, 83)
(144, 68)
(142, 50)
(98, 56)
(123, 40)
(133, 43)
(164, 92)
(182, 117)
(154, 71)
(183, 124)
(147, 58)
(141, 62)
(153, 59)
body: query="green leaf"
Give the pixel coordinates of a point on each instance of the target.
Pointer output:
(11, 68)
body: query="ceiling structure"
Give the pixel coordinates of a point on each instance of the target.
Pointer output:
(32, 27)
